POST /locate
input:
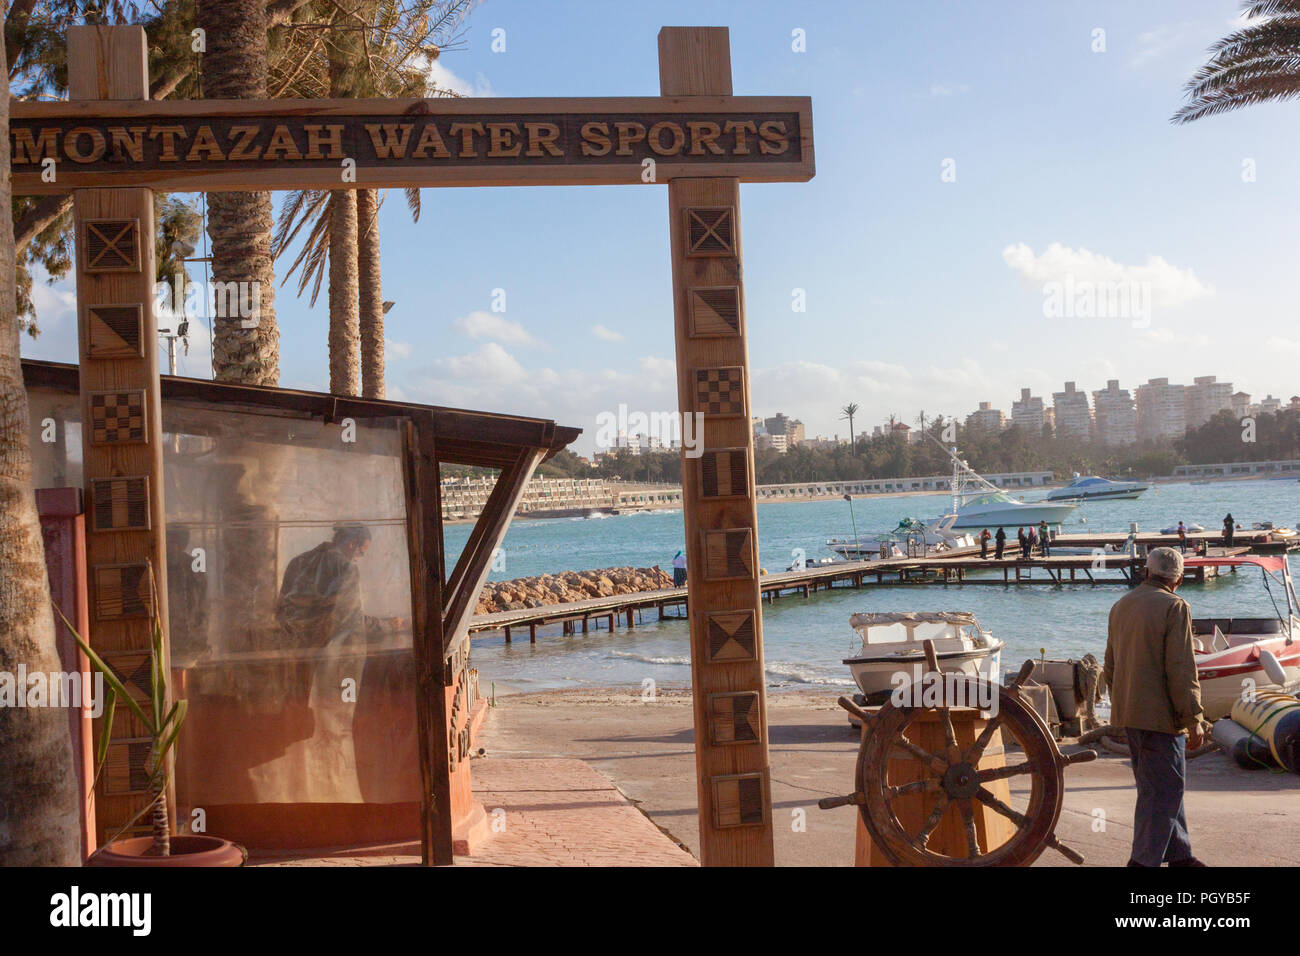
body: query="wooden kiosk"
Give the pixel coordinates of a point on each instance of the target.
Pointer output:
(111, 146)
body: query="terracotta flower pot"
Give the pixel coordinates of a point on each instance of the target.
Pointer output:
(187, 850)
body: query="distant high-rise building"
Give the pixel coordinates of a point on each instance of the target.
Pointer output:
(791, 428)
(1028, 413)
(1205, 398)
(1240, 404)
(1115, 414)
(1161, 410)
(1270, 405)
(1073, 417)
(986, 418)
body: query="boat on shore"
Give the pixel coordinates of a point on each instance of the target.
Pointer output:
(892, 645)
(1239, 655)
(1094, 488)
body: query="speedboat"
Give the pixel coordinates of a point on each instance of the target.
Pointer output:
(1239, 656)
(910, 538)
(892, 648)
(978, 503)
(1092, 488)
(1188, 526)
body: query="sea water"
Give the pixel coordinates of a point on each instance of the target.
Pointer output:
(805, 640)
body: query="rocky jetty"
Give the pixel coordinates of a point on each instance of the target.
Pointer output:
(568, 586)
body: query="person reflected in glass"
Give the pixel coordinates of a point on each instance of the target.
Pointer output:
(320, 596)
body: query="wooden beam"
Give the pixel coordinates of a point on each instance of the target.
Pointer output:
(207, 145)
(120, 403)
(718, 500)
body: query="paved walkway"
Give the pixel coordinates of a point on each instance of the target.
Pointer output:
(543, 812)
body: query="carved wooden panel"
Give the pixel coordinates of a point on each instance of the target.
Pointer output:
(731, 636)
(134, 670)
(724, 473)
(114, 331)
(734, 718)
(710, 231)
(122, 591)
(117, 418)
(728, 553)
(720, 391)
(714, 311)
(120, 504)
(111, 245)
(126, 766)
(738, 800)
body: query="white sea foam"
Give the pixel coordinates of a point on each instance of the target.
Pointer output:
(789, 673)
(678, 661)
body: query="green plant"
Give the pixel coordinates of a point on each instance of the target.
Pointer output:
(162, 731)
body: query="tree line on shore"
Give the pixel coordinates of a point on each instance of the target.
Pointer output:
(1224, 438)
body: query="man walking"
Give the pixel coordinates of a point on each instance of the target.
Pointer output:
(1182, 537)
(1155, 696)
(1024, 542)
(1001, 539)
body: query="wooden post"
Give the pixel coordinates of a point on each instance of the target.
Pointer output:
(121, 412)
(718, 500)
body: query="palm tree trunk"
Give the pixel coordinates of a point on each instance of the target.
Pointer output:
(239, 223)
(344, 333)
(38, 790)
(371, 294)
(162, 840)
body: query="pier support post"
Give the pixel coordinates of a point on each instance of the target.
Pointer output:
(718, 499)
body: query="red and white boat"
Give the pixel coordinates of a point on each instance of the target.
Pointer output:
(1238, 655)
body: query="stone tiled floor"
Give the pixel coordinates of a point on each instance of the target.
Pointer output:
(543, 812)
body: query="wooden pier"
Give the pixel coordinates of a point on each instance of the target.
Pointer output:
(959, 567)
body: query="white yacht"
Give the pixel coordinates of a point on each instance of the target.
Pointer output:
(1093, 488)
(978, 503)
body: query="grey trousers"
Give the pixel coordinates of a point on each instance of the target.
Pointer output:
(1159, 821)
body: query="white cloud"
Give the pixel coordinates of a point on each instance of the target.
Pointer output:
(491, 325)
(1171, 287)
(1154, 44)
(608, 335)
(948, 89)
(398, 350)
(1279, 344)
(443, 78)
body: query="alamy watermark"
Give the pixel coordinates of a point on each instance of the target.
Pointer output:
(52, 689)
(1072, 298)
(926, 688)
(618, 428)
(212, 300)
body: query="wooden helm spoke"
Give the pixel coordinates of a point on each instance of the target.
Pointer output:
(968, 823)
(931, 785)
(1002, 773)
(977, 749)
(932, 821)
(949, 734)
(991, 801)
(933, 762)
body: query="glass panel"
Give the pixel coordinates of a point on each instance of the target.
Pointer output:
(290, 610)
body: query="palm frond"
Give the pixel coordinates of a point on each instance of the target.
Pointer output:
(1246, 93)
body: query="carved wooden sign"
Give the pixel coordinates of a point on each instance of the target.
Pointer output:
(224, 144)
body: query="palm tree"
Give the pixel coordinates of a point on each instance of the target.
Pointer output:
(37, 788)
(239, 223)
(849, 411)
(371, 305)
(1258, 63)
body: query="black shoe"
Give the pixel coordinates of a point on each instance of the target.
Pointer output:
(1136, 863)
(1190, 861)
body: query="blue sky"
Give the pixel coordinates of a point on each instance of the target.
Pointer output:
(921, 293)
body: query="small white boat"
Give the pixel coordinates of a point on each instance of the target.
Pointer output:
(909, 539)
(1093, 488)
(1239, 655)
(1188, 526)
(892, 648)
(978, 503)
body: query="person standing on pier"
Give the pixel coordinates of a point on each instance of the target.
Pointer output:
(1024, 542)
(984, 543)
(1001, 538)
(1182, 537)
(1156, 697)
(1032, 542)
(679, 569)
(1229, 529)
(1045, 538)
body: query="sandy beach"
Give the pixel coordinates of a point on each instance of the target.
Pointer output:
(646, 749)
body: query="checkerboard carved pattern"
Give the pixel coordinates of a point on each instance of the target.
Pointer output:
(720, 391)
(731, 636)
(715, 311)
(710, 231)
(111, 245)
(728, 553)
(117, 418)
(738, 800)
(120, 504)
(114, 331)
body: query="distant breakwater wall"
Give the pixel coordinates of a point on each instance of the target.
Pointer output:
(568, 586)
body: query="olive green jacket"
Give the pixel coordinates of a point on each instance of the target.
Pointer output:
(1150, 667)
